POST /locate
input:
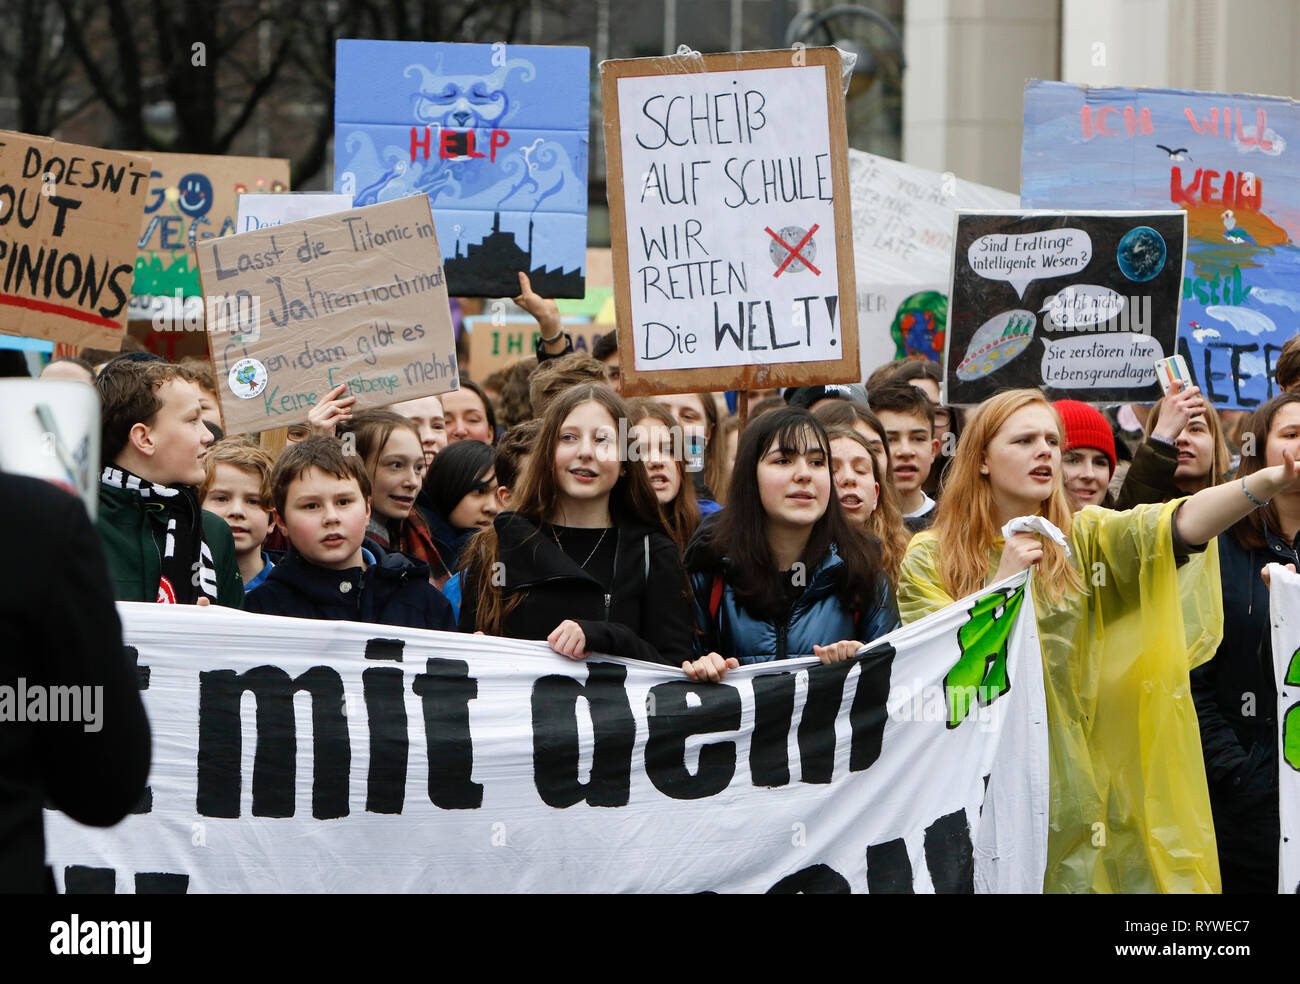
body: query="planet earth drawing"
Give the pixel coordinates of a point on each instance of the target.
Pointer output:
(1141, 254)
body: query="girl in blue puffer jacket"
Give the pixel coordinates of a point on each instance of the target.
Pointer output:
(782, 572)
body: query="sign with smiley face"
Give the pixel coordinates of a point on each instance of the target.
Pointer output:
(192, 198)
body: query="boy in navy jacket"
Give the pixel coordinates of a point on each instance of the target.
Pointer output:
(322, 505)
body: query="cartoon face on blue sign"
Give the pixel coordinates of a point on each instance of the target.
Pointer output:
(462, 102)
(195, 194)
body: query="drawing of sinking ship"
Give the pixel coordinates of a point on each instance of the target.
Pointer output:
(997, 342)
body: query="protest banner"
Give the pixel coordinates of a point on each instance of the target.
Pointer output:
(356, 297)
(440, 762)
(266, 210)
(494, 134)
(69, 216)
(495, 343)
(1079, 304)
(194, 198)
(902, 252)
(1221, 158)
(730, 221)
(1284, 613)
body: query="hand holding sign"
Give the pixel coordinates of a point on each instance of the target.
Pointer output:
(544, 309)
(334, 409)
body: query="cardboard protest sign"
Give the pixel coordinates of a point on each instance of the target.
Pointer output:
(69, 216)
(1221, 158)
(403, 760)
(730, 220)
(1284, 612)
(496, 344)
(194, 198)
(1081, 304)
(297, 309)
(494, 134)
(902, 251)
(266, 210)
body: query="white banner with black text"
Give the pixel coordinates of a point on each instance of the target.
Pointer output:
(292, 755)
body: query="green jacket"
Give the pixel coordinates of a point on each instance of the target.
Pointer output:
(133, 536)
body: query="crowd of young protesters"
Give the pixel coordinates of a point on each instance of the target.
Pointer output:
(708, 531)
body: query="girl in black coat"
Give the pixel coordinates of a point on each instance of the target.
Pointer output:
(1236, 691)
(583, 562)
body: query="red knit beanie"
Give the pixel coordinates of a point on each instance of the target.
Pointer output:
(1085, 427)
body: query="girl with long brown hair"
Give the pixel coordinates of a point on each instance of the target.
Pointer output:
(660, 447)
(583, 560)
(1120, 626)
(783, 572)
(390, 448)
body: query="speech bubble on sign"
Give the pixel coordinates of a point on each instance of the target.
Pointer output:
(1022, 258)
(1080, 305)
(1122, 360)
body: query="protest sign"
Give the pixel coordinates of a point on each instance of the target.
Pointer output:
(51, 431)
(902, 252)
(266, 210)
(1284, 613)
(356, 297)
(439, 762)
(193, 198)
(1080, 304)
(1221, 158)
(69, 216)
(495, 343)
(730, 221)
(494, 134)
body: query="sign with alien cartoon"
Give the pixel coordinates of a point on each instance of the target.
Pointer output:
(494, 134)
(1080, 304)
(192, 198)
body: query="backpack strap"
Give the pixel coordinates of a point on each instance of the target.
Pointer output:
(715, 597)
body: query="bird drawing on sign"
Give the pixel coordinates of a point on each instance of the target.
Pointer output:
(1230, 230)
(1175, 155)
(1201, 334)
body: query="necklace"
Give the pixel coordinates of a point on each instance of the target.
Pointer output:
(584, 564)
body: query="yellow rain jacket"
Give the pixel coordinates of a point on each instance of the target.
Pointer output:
(1130, 811)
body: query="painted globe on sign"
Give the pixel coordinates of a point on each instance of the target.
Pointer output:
(1141, 254)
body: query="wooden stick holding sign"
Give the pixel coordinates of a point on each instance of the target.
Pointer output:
(730, 220)
(355, 297)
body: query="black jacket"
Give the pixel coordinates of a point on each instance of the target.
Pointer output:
(645, 614)
(60, 629)
(1150, 477)
(1236, 702)
(393, 590)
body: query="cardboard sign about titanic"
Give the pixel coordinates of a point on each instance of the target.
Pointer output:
(495, 134)
(69, 218)
(357, 297)
(730, 220)
(1230, 162)
(1081, 304)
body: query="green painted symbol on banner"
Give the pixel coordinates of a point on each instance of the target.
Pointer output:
(981, 672)
(1291, 723)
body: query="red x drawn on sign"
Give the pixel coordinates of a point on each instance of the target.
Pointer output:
(793, 251)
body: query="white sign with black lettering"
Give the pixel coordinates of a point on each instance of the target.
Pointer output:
(307, 756)
(730, 218)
